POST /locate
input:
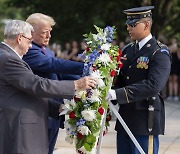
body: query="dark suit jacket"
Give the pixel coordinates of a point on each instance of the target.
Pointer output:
(23, 111)
(43, 63)
(144, 74)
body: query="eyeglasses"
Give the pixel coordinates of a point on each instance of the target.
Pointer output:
(134, 24)
(30, 39)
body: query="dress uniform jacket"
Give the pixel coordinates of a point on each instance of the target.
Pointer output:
(144, 74)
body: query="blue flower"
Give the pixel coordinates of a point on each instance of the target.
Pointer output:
(80, 122)
(109, 33)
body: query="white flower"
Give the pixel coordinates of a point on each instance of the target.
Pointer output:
(69, 139)
(84, 130)
(89, 115)
(100, 83)
(104, 58)
(96, 74)
(99, 37)
(89, 42)
(81, 94)
(69, 103)
(95, 96)
(106, 46)
(94, 37)
(73, 103)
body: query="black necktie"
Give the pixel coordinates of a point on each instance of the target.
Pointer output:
(137, 47)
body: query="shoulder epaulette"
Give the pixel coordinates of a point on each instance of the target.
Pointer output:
(130, 44)
(163, 47)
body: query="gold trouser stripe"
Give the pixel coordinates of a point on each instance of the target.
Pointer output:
(126, 95)
(150, 144)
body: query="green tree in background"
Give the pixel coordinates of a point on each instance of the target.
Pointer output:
(77, 17)
(6, 13)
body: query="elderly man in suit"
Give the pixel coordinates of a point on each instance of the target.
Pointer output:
(23, 107)
(43, 63)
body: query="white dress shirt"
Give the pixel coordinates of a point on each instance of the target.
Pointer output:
(144, 41)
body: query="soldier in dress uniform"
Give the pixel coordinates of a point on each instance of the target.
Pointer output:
(145, 71)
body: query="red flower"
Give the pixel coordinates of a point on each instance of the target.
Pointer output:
(120, 65)
(77, 99)
(109, 117)
(87, 49)
(101, 110)
(112, 73)
(118, 58)
(94, 68)
(104, 133)
(120, 52)
(72, 115)
(79, 135)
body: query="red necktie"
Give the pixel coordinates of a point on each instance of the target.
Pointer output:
(44, 50)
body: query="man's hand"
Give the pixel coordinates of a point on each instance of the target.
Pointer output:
(85, 83)
(111, 95)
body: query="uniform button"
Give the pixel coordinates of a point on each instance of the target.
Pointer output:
(130, 66)
(127, 77)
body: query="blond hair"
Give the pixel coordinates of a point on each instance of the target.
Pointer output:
(36, 18)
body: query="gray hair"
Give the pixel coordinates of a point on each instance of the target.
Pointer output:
(16, 27)
(36, 18)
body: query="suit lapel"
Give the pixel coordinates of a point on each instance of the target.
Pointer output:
(6, 48)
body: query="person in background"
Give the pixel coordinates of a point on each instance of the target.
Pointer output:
(43, 63)
(67, 49)
(75, 50)
(173, 85)
(24, 107)
(145, 71)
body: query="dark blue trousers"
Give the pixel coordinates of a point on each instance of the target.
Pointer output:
(126, 146)
(53, 131)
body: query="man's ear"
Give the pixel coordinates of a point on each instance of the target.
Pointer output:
(147, 24)
(19, 38)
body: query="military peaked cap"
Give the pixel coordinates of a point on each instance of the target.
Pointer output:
(135, 14)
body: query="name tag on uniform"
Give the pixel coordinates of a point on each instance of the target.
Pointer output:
(142, 62)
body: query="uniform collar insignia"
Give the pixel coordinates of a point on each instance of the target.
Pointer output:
(148, 45)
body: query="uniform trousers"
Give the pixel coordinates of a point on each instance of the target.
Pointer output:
(126, 146)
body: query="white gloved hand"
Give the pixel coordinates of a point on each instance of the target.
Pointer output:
(111, 95)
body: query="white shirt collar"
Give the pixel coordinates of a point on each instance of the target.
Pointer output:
(144, 41)
(11, 49)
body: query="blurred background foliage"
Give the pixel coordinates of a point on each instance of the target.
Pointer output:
(77, 17)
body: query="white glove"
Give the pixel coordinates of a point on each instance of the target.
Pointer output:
(111, 95)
